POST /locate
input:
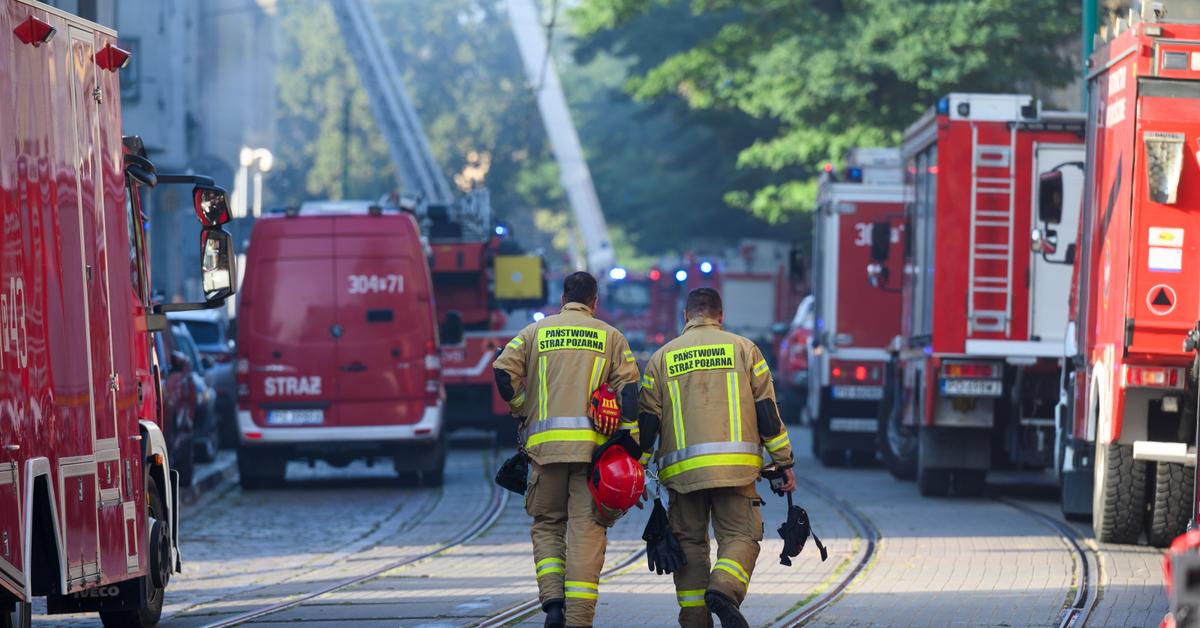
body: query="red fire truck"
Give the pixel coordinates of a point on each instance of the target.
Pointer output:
(89, 514)
(852, 323)
(1131, 399)
(478, 274)
(977, 360)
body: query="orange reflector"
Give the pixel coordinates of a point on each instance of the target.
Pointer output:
(158, 459)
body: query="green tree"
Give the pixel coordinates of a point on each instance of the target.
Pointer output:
(835, 74)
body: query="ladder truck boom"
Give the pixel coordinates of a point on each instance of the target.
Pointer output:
(564, 140)
(394, 111)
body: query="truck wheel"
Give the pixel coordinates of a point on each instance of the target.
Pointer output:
(21, 616)
(1170, 504)
(933, 482)
(970, 482)
(897, 442)
(260, 469)
(148, 616)
(828, 456)
(1119, 498)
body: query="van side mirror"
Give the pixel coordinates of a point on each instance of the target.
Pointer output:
(881, 241)
(218, 265)
(1050, 197)
(451, 331)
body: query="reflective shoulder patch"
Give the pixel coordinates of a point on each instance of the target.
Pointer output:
(628, 355)
(699, 358)
(647, 382)
(578, 338)
(761, 368)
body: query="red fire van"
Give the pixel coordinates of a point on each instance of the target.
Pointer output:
(338, 355)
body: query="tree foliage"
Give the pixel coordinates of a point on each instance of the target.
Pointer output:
(832, 75)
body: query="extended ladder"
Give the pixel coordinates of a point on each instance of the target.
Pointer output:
(993, 196)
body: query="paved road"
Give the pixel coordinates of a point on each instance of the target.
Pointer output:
(943, 562)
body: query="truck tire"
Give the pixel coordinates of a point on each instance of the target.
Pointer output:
(1119, 498)
(150, 614)
(933, 482)
(260, 469)
(1170, 503)
(897, 442)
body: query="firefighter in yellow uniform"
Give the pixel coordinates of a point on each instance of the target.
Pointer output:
(548, 374)
(712, 395)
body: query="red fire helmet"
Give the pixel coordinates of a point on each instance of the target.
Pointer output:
(617, 480)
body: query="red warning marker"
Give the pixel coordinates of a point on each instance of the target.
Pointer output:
(1161, 299)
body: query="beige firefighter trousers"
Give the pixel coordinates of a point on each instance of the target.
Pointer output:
(737, 522)
(568, 544)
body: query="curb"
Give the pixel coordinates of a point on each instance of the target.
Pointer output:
(219, 472)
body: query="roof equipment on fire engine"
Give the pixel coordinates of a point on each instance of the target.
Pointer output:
(605, 412)
(615, 478)
(514, 473)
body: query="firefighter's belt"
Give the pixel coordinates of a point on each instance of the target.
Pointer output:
(735, 454)
(560, 429)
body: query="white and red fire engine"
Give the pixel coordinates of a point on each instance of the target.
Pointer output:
(984, 316)
(89, 515)
(1130, 404)
(852, 324)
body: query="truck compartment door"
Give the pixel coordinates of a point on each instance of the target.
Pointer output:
(1050, 278)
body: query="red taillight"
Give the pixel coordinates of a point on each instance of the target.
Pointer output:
(253, 435)
(837, 371)
(971, 370)
(1154, 376)
(860, 373)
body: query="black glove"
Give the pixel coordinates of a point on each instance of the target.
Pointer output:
(795, 532)
(663, 552)
(514, 473)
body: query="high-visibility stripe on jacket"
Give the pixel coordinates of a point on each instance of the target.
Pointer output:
(555, 364)
(704, 385)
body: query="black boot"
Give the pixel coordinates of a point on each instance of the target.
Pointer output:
(555, 614)
(725, 609)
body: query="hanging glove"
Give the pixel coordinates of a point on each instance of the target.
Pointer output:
(663, 552)
(514, 473)
(604, 410)
(795, 532)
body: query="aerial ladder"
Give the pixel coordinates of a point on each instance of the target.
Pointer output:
(573, 170)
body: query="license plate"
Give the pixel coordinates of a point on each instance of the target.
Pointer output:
(864, 393)
(296, 417)
(972, 387)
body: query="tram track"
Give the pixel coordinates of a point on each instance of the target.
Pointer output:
(486, 517)
(865, 531)
(1086, 586)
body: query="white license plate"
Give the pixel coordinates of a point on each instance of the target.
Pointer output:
(296, 417)
(972, 387)
(861, 393)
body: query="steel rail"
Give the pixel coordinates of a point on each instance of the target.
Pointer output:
(514, 613)
(865, 530)
(483, 521)
(1075, 612)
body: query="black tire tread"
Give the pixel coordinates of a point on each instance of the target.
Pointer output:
(1170, 503)
(1124, 496)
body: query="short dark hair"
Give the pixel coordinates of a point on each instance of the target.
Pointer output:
(703, 302)
(579, 287)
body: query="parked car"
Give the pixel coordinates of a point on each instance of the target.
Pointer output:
(215, 341)
(204, 439)
(178, 399)
(792, 363)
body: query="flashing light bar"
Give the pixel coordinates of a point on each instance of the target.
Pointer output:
(1153, 376)
(681, 275)
(706, 267)
(655, 274)
(972, 370)
(617, 273)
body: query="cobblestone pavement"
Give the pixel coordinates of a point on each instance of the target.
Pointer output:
(940, 562)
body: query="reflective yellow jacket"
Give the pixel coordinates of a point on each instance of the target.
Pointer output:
(703, 385)
(555, 365)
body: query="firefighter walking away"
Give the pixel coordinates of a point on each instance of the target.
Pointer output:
(711, 393)
(563, 376)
